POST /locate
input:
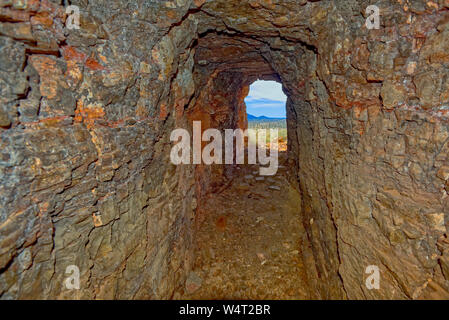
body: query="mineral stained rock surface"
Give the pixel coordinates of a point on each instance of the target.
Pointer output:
(86, 116)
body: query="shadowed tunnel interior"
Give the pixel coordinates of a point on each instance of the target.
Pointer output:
(86, 178)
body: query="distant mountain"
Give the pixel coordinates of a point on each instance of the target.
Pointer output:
(262, 118)
(264, 122)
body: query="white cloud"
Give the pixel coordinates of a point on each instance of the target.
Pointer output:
(265, 104)
(269, 90)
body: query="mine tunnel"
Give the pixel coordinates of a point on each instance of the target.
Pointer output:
(88, 104)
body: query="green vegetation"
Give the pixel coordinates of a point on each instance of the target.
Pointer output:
(269, 123)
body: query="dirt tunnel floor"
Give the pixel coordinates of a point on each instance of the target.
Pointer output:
(248, 246)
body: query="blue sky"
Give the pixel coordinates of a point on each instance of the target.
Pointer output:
(266, 98)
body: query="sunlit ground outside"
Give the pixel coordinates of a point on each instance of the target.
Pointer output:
(265, 106)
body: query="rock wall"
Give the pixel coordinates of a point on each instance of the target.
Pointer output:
(85, 174)
(86, 116)
(370, 147)
(384, 157)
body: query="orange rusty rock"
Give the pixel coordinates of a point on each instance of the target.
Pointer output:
(53, 122)
(172, 14)
(432, 4)
(221, 223)
(93, 64)
(73, 72)
(103, 58)
(88, 114)
(42, 19)
(358, 111)
(78, 114)
(361, 128)
(43, 207)
(97, 220)
(71, 54)
(49, 74)
(163, 112)
(199, 3)
(73, 58)
(268, 4)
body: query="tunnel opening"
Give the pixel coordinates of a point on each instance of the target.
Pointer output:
(266, 110)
